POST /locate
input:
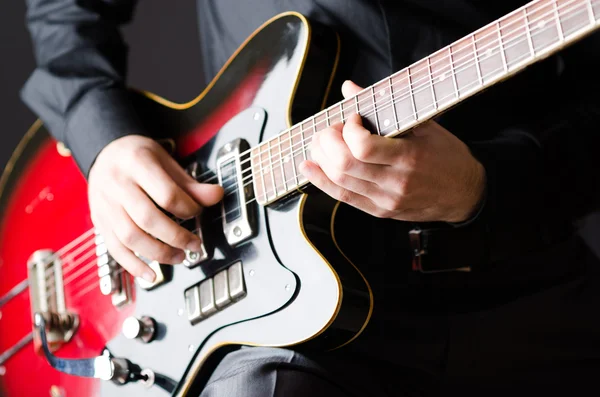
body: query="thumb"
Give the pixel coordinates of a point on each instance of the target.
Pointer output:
(350, 89)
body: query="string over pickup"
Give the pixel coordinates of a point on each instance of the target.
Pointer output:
(238, 210)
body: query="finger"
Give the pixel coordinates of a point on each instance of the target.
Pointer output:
(350, 89)
(318, 178)
(161, 188)
(135, 239)
(339, 158)
(126, 258)
(153, 221)
(374, 149)
(203, 193)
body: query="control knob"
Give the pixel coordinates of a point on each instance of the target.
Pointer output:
(143, 328)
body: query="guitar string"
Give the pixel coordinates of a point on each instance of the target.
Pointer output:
(220, 217)
(283, 156)
(476, 58)
(468, 64)
(235, 188)
(502, 38)
(382, 106)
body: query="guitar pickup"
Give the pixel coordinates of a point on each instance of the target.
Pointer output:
(238, 210)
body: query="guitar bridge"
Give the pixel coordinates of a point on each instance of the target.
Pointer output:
(48, 298)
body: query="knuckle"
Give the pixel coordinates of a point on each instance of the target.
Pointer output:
(145, 220)
(168, 200)
(344, 196)
(338, 178)
(364, 151)
(344, 162)
(127, 235)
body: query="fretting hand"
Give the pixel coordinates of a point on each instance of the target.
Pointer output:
(128, 175)
(426, 175)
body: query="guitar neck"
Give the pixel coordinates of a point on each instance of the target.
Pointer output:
(430, 86)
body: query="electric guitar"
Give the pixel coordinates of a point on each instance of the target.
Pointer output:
(270, 272)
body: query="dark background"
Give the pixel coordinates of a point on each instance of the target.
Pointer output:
(164, 58)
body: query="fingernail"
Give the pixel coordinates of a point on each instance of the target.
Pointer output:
(194, 245)
(149, 276)
(179, 257)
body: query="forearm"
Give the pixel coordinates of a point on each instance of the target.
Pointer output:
(78, 87)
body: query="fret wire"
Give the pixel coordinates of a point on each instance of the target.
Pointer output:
(327, 118)
(433, 96)
(397, 123)
(314, 127)
(375, 110)
(356, 104)
(528, 33)
(281, 162)
(412, 97)
(559, 29)
(476, 59)
(501, 47)
(293, 157)
(588, 3)
(453, 73)
(342, 111)
(262, 174)
(271, 168)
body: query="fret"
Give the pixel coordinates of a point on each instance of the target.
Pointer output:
(528, 33)
(543, 27)
(257, 177)
(464, 63)
(375, 112)
(334, 115)
(267, 180)
(444, 85)
(348, 107)
(573, 16)
(476, 58)
(384, 107)
(272, 168)
(489, 53)
(421, 92)
(561, 36)
(404, 102)
(501, 48)
(320, 122)
(393, 104)
(433, 97)
(453, 72)
(298, 146)
(590, 11)
(516, 47)
(327, 118)
(281, 163)
(356, 103)
(292, 157)
(342, 113)
(596, 10)
(369, 116)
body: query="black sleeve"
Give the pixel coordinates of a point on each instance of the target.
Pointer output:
(542, 174)
(78, 87)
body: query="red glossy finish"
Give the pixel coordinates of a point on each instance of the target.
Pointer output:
(47, 209)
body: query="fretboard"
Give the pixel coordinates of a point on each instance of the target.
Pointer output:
(430, 86)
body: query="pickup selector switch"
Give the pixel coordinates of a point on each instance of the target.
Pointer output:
(143, 328)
